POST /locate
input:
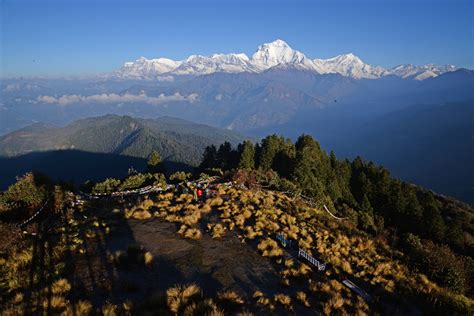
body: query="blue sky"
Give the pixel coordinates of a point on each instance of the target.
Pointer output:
(51, 38)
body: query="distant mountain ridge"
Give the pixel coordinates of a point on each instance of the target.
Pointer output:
(277, 54)
(175, 139)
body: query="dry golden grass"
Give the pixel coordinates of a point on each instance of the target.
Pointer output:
(240, 221)
(61, 286)
(285, 282)
(218, 231)
(184, 198)
(251, 234)
(148, 258)
(55, 302)
(266, 302)
(79, 308)
(247, 212)
(193, 233)
(109, 309)
(217, 201)
(336, 302)
(269, 248)
(166, 196)
(181, 295)
(14, 311)
(192, 218)
(127, 307)
(289, 263)
(18, 298)
(141, 214)
(231, 296)
(303, 269)
(205, 209)
(182, 230)
(302, 298)
(203, 307)
(283, 299)
(346, 267)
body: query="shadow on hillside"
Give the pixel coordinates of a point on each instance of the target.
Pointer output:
(68, 244)
(76, 166)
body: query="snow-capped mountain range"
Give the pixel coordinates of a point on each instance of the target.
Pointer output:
(277, 54)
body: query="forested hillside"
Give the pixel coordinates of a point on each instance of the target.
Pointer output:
(175, 139)
(435, 232)
(105, 146)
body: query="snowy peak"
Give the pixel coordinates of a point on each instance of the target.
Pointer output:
(201, 65)
(347, 59)
(276, 54)
(350, 65)
(421, 72)
(143, 67)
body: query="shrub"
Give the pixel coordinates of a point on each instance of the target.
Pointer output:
(283, 299)
(148, 258)
(251, 234)
(193, 233)
(302, 298)
(192, 218)
(25, 192)
(141, 214)
(107, 186)
(257, 294)
(205, 307)
(181, 295)
(217, 201)
(269, 248)
(109, 309)
(55, 302)
(303, 269)
(79, 308)
(218, 231)
(180, 176)
(133, 182)
(231, 296)
(61, 286)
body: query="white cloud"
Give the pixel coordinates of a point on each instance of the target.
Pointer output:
(117, 98)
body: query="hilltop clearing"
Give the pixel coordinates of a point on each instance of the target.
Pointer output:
(236, 251)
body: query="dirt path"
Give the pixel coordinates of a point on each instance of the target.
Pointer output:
(216, 264)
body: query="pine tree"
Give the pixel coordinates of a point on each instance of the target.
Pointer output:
(366, 206)
(333, 160)
(269, 147)
(209, 158)
(227, 158)
(154, 162)
(284, 157)
(366, 218)
(247, 155)
(311, 166)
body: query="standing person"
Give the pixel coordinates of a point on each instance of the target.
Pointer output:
(199, 194)
(195, 194)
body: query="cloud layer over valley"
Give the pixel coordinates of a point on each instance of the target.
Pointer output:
(117, 98)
